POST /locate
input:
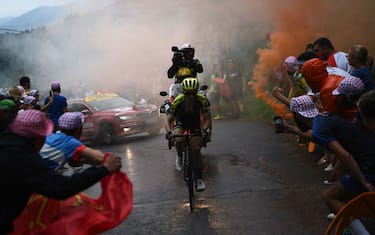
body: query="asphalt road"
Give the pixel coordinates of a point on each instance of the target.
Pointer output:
(258, 182)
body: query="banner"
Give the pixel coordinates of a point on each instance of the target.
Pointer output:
(78, 214)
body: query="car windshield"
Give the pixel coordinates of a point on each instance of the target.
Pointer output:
(110, 103)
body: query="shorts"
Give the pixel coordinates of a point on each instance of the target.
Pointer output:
(352, 185)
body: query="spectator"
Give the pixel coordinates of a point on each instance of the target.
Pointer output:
(357, 57)
(353, 146)
(15, 93)
(58, 105)
(23, 171)
(237, 84)
(309, 47)
(8, 112)
(213, 92)
(64, 146)
(326, 52)
(317, 77)
(298, 85)
(28, 102)
(37, 106)
(25, 83)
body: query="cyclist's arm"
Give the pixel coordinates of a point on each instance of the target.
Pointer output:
(168, 122)
(206, 120)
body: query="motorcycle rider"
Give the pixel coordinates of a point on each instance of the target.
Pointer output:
(185, 114)
(183, 64)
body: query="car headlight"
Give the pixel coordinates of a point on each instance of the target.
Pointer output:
(125, 118)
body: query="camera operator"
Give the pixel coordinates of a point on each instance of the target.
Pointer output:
(183, 63)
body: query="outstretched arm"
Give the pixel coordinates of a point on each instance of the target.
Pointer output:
(277, 93)
(347, 159)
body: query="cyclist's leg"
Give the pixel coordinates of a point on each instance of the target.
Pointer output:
(179, 144)
(196, 145)
(196, 142)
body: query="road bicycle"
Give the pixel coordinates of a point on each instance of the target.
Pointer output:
(190, 174)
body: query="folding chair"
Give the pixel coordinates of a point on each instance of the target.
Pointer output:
(362, 206)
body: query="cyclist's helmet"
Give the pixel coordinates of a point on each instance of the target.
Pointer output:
(190, 85)
(188, 49)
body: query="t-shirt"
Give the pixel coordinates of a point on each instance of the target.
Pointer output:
(359, 142)
(60, 148)
(365, 75)
(57, 108)
(339, 59)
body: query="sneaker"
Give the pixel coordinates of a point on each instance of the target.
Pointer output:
(329, 167)
(217, 117)
(322, 161)
(331, 216)
(328, 182)
(178, 163)
(200, 185)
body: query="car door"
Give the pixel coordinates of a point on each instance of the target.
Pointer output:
(89, 127)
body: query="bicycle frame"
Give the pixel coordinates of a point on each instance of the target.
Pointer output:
(189, 161)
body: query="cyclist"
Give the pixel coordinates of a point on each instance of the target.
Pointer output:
(189, 111)
(183, 63)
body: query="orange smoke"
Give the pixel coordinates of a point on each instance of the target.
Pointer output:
(297, 23)
(290, 37)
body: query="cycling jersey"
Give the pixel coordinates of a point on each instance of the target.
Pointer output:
(186, 119)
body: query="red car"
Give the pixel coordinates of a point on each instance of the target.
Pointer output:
(109, 117)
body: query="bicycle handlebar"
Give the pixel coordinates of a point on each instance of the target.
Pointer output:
(187, 136)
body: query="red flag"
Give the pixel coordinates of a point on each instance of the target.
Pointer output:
(78, 214)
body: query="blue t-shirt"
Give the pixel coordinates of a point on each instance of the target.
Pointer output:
(359, 142)
(60, 148)
(57, 108)
(365, 75)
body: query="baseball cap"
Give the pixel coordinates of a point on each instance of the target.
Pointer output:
(291, 64)
(71, 120)
(31, 123)
(7, 104)
(304, 105)
(55, 85)
(349, 86)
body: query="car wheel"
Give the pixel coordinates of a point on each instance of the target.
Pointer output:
(106, 134)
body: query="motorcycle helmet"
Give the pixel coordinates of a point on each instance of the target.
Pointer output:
(190, 85)
(188, 49)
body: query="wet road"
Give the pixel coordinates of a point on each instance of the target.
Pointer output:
(258, 182)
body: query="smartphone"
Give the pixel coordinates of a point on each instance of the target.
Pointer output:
(277, 122)
(50, 93)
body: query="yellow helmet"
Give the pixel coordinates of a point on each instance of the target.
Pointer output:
(190, 85)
